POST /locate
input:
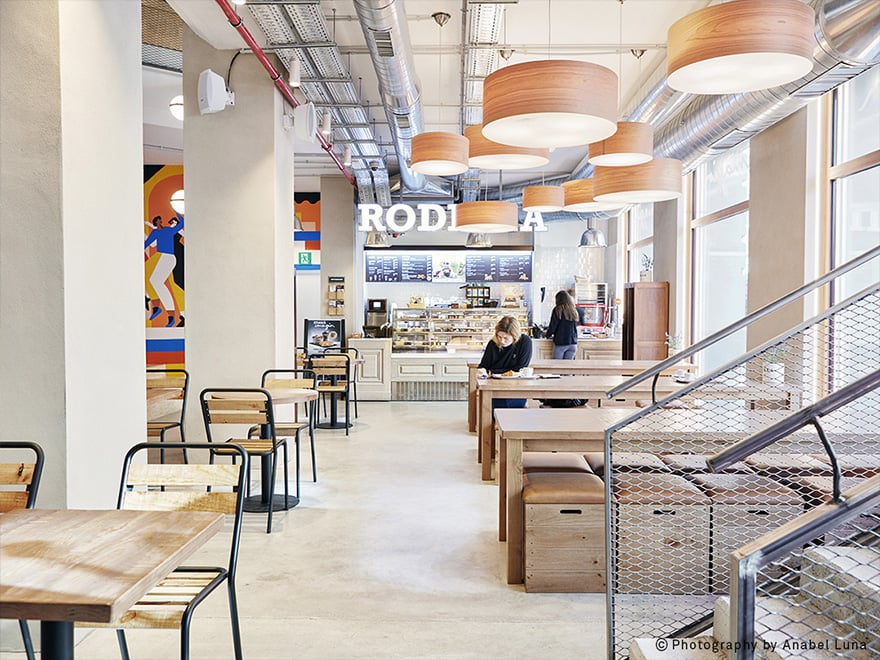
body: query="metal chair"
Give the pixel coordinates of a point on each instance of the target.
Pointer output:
(190, 487)
(167, 391)
(333, 371)
(24, 482)
(251, 407)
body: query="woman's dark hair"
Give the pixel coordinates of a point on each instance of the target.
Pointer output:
(509, 325)
(565, 308)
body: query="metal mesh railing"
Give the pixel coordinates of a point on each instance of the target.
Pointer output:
(673, 523)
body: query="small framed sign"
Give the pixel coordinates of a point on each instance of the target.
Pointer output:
(322, 335)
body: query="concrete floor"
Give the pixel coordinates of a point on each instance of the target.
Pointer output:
(392, 554)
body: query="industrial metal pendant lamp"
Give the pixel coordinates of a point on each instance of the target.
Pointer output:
(477, 240)
(544, 199)
(377, 239)
(579, 198)
(440, 154)
(485, 154)
(631, 144)
(655, 181)
(740, 46)
(592, 237)
(550, 103)
(486, 217)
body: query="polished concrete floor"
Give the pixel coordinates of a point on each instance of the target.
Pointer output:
(393, 553)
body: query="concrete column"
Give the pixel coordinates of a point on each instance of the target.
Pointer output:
(339, 254)
(238, 182)
(71, 248)
(670, 260)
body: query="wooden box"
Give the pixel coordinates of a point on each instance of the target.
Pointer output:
(744, 507)
(662, 535)
(564, 542)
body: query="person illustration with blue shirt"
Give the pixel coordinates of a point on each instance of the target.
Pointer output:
(163, 236)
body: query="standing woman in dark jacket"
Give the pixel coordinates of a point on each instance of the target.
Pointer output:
(508, 350)
(563, 327)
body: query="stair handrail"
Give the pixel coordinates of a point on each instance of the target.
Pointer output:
(745, 321)
(791, 536)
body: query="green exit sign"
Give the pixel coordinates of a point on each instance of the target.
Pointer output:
(304, 258)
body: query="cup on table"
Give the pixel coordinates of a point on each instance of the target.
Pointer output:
(526, 372)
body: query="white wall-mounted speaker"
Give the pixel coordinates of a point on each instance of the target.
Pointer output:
(213, 96)
(305, 122)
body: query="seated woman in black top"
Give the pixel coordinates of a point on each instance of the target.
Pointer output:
(508, 351)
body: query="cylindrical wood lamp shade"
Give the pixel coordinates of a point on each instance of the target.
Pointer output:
(579, 197)
(740, 46)
(439, 154)
(544, 199)
(486, 217)
(550, 103)
(633, 143)
(655, 181)
(487, 155)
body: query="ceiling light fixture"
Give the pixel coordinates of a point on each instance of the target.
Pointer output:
(579, 198)
(238, 2)
(175, 106)
(550, 103)
(592, 237)
(295, 77)
(543, 199)
(440, 154)
(487, 155)
(486, 217)
(346, 156)
(740, 46)
(633, 143)
(377, 239)
(477, 240)
(326, 126)
(655, 181)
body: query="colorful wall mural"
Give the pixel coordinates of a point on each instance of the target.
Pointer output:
(163, 267)
(307, 241)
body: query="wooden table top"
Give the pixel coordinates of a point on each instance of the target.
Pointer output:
(600, 366)
(77, 565)
(279, 394)
(562, 423)
(591, 387)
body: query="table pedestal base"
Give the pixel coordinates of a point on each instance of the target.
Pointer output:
(333, 425)
(56, 640)
(256, 504)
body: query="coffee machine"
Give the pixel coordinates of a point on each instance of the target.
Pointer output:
(377, 316)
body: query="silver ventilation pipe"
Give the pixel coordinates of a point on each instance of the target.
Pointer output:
(387, 37)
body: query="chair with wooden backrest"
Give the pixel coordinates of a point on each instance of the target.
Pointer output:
(19, 483)
(333, 371)
(212, 487)
(355, 359)
(167, 391)
(250, 407)
(294, 379)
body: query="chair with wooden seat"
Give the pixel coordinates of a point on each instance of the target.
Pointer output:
(167, 391)
(333, 371)
(19, 483)
(212, 487)
(294, 379)
(225, 410)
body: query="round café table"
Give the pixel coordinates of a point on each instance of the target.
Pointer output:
(280, 396)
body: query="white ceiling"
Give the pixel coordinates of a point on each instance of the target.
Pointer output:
(599, 31)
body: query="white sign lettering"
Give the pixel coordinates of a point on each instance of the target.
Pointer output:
(431, 217)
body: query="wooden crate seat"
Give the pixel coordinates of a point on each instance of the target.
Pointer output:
(552, 461)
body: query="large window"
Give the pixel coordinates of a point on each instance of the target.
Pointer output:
(640, 241)
(720, 253)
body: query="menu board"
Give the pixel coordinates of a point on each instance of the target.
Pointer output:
(482, 268)
(383, 267)
(415, 268)
(448, 267)
(515, 267)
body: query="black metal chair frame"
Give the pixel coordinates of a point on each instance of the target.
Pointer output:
(31, 490)
(304, 373)
(347, 378)
(163, 426)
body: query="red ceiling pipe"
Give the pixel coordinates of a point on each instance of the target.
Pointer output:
(237, 22)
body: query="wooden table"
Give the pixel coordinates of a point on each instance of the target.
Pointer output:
(591, 367)
(564, 387)
(280, 396)
(540, 429)
(64, 566)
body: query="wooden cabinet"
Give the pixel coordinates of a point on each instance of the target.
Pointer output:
(645, 320)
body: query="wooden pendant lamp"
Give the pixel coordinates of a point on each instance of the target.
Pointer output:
(487, 155)
(655, 181)
(579, 198)
(740, 46)
(544, 199)
(486, 217)
(631, 144)
(439, 154)
(550, 103)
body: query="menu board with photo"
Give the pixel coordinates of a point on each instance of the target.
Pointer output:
(415, 268)
(482, 268)
(322, 335)
(515, 267)
(382, 267)
(448, 267)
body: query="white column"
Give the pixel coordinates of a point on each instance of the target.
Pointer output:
(71, 274)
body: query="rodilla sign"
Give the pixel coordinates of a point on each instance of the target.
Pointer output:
(424, 217)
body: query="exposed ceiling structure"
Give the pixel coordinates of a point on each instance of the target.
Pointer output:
(385, 71)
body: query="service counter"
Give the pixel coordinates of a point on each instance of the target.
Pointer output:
(441, 375)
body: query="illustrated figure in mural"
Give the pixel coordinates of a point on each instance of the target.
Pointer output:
(163, 236)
